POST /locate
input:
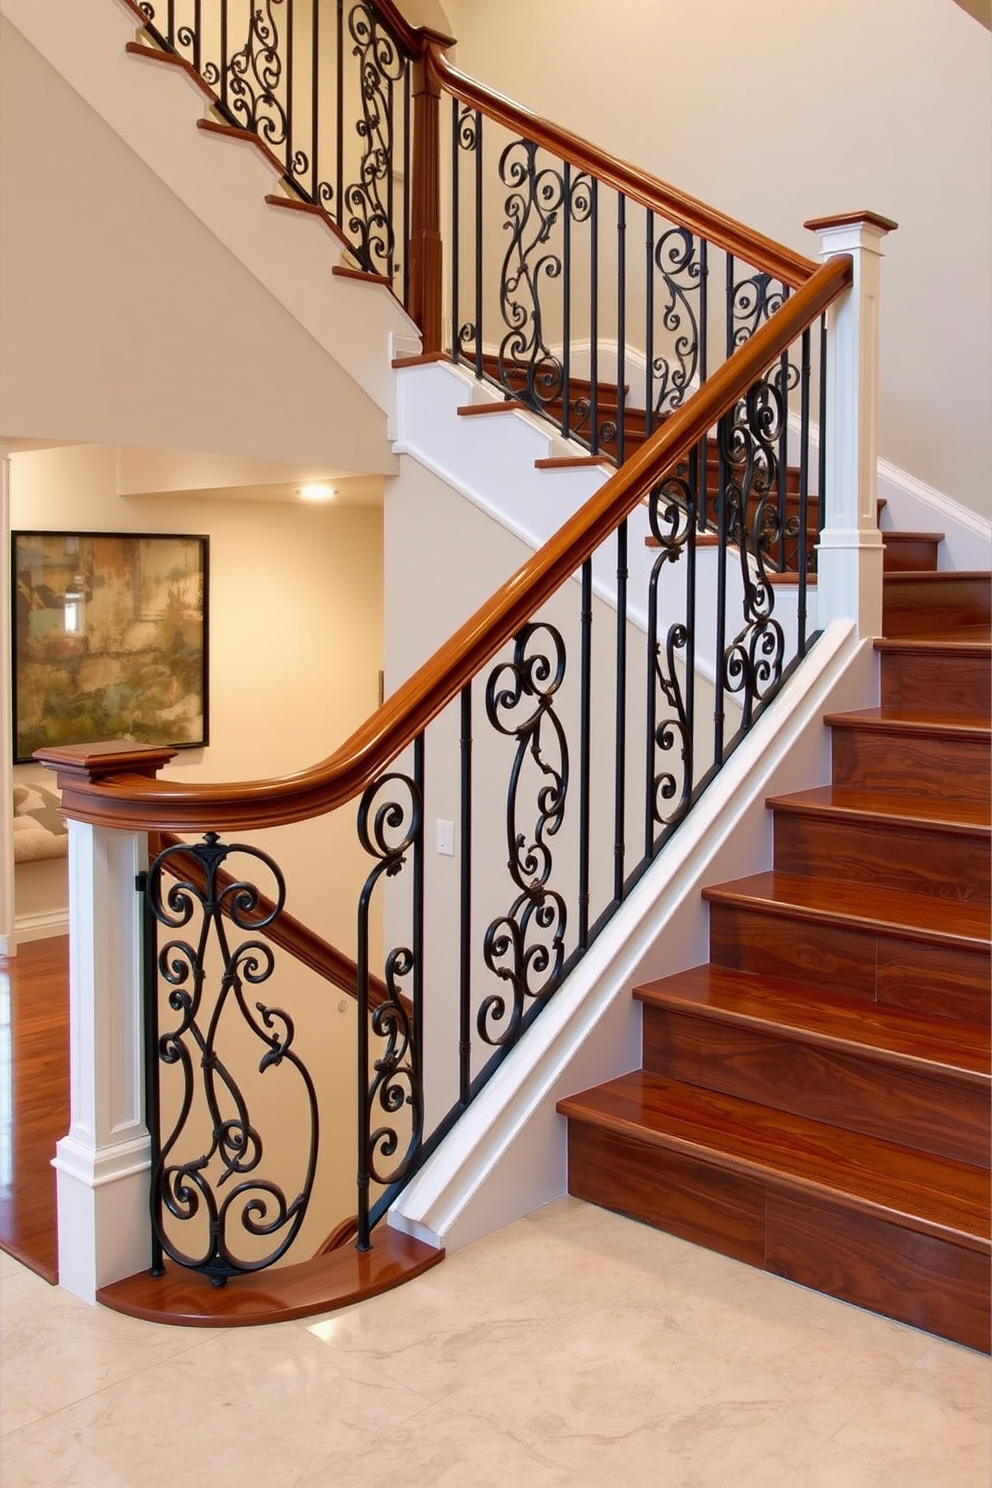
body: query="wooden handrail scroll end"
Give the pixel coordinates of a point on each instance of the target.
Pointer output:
(93, 763)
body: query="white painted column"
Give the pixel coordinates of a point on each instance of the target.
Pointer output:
(849, 561)
(103, 1162)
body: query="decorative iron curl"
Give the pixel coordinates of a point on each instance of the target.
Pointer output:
(380, 66)
(678, 258)
(533, 206)
(468, 129)
(255, 73)
(671, 517)
(520, 704)
(753, 301)
(748, 436)
(390, 824)
(395, 1084)
(206, 978)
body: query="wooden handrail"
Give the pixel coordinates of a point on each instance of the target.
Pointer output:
(414, 40)
(285, 931)
(135, 802)
(756, 250)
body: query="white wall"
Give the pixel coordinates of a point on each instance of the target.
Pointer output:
(793, 111)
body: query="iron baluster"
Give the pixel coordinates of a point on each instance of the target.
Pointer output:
(585, 750)
(680, 265)
(532, 210)
(455, 231)
(390, 827)
(649, 325)
(406, 186)
(594, 315)
(380, 65)
(719, 707)
(668, 791)
(525, 948)
(752, 663)
(621, 321)
(620, 765)
(339, 134)
(465, 904)
(153, 1098)
(478, 245)
(566, 303)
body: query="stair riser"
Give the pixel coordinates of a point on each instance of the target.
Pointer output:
(903, 555)
(928, 607)
(918, 1279)
(942, 863)
(932, 1113)
(928, 765)
(896, 971)
(960, 685)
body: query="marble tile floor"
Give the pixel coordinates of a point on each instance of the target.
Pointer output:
(571, 1348)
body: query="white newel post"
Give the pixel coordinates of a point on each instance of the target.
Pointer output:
(102, 1163)
(849, 557)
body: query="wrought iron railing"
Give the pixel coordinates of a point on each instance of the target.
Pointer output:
(569, 726)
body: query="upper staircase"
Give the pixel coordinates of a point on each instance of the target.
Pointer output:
(815, 1099)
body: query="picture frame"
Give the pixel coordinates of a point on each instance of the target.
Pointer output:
(109, 639)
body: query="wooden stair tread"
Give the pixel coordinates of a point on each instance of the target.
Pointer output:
(973, 640)
(902, 535)
(855, 803)
(155, 53)
(890, 1035)
(841, 902)
(508, 405)
(936, 1196)
(279, 1294)
(911, 720)
(309, 209)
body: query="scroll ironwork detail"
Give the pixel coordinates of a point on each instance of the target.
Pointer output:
(678, 258)
(221, 1185)
(390, 825)
(749, 436)
(381, 66)
(671, 516)
(254, 75)
(526, 946)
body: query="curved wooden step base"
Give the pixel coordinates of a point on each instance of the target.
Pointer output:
(275, 1296)
(866, 1221)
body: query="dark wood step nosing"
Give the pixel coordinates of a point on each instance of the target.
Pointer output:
(782, 1179)
(508, 405)
(870, 819)
(722, 894)
(871, 721)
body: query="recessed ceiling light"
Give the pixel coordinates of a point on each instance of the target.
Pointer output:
(316, 491)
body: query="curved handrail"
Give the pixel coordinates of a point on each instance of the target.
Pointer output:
(138, 803)
(758, 251)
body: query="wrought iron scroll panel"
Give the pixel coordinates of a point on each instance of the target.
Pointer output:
(326, 87)
(217, 1208)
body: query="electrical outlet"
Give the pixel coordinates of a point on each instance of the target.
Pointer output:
(446, 838)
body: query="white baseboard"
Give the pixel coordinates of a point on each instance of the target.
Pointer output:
(41, 926)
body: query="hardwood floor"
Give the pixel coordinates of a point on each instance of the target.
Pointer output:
(34, 1098)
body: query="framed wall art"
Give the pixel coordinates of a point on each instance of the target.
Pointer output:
(109, 639)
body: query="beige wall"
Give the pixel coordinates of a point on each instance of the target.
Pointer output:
(295, 653)
(794, 111)
(125, 320)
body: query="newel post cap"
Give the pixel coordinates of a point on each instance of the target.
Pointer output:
(847, 231)
(75, 764)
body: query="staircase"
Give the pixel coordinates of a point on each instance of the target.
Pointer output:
(815, 1100)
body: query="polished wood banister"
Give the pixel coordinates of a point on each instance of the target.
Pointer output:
(286, 931)
(136, 802)
(754, 248)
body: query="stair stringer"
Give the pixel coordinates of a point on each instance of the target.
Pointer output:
(155, 110)
(507, 1154)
